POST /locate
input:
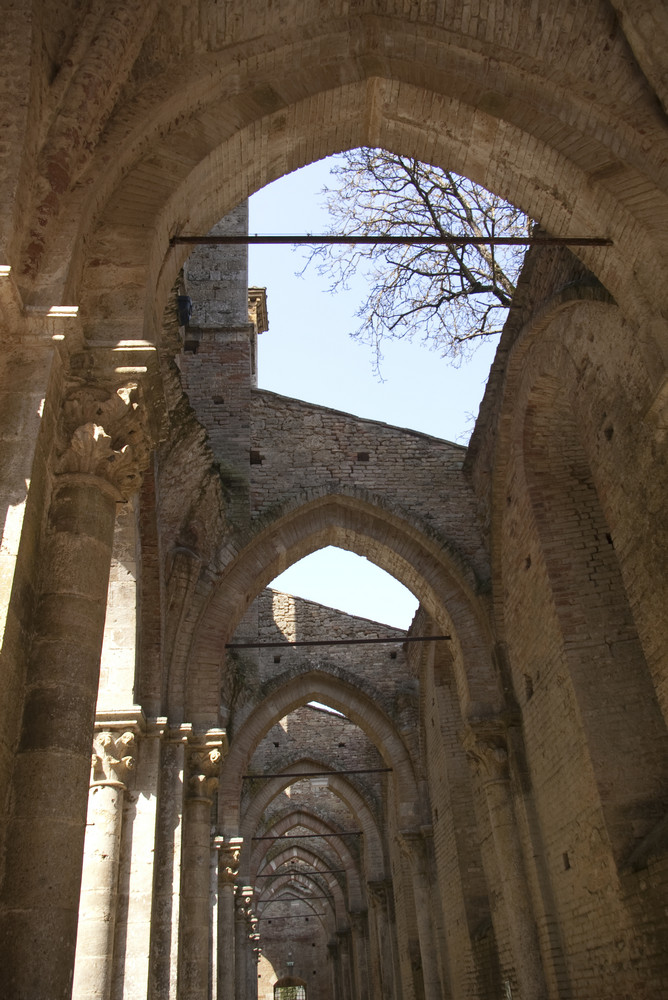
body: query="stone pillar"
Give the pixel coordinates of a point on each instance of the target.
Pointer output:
(26, 415)
(229, 852)
(254, 952)
(113, 758)
(414, 848)
(335, 969)
(243, 914)
(138, 875)
(165, 913)
(383, 936)
(360, 946)
(195, 931)
(46, 824)
(487, 747)
(347, 982)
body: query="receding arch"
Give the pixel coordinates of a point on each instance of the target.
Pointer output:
(314, 685)
(309, 821)
(285, 880)
(343, 788)
(423, 564)
(309, 856)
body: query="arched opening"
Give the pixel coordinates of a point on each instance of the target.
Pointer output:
(429, 567)
(111, 153)
(290, 988)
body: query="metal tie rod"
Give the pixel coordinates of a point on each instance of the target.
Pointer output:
(303, 836)
(360, 240)
(338, 642)
(287, 899)
(318, 774)
(296, 871)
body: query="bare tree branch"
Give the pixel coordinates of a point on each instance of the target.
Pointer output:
(447, 296)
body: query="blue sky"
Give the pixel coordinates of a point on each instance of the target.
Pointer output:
(308, 353)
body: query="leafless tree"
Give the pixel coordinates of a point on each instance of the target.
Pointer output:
(446, 296)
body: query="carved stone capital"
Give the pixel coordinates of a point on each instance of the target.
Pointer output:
(103, 434)
(204, 766)
(204, 759)
(244, 903)
(486, 745)
(229, 853)
(113, 757)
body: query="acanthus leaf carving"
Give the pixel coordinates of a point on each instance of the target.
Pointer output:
(103, 434)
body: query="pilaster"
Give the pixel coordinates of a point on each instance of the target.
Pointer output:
(486, 744)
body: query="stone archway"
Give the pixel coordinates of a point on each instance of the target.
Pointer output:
(315, 685)
(420, 563)
(129, 122)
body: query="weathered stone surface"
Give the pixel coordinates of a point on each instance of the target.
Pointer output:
(517, 844)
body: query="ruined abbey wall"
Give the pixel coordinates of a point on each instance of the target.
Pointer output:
(150, 493)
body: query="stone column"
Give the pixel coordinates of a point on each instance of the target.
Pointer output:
(487, 747)
(253, 953)
(243, 914)
(335, 969)
(195, 932)
(166, 903)
(383, 937)
(360, 945)
(96, 468)
(347, 983)
(113, 758)
(414, 848)
(27, 422)
(229, 852)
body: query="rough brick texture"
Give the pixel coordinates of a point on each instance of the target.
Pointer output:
(517, 847)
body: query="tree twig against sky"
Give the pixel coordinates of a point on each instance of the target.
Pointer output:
(446, 296)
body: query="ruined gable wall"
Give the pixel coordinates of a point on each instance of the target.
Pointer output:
(379, 670)
(302, 450)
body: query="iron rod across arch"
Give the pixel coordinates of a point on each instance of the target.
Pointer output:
(449, 239)
(303, 836)
(296, 871)
(338, 642)
(318, 774)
